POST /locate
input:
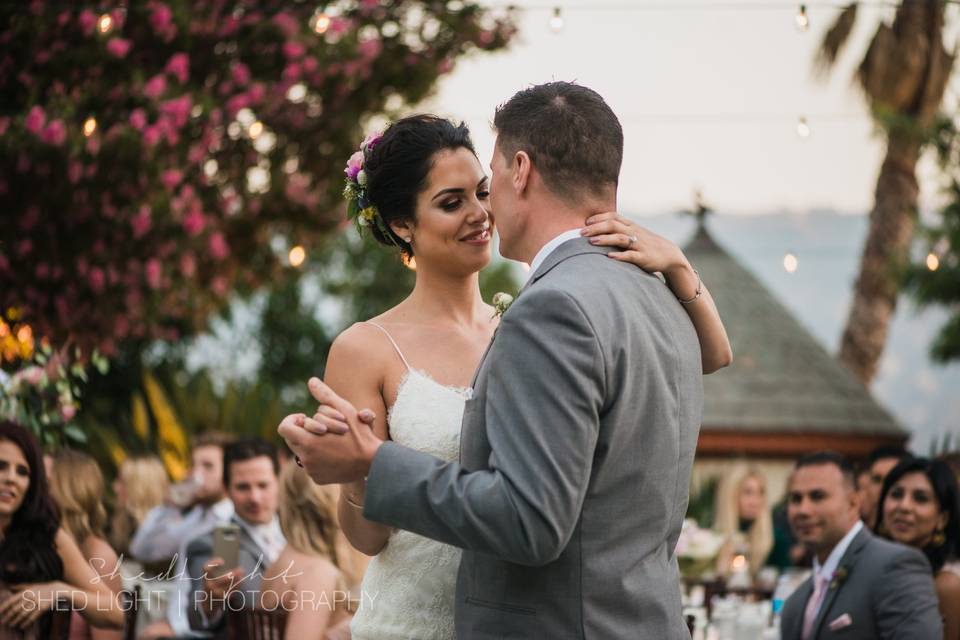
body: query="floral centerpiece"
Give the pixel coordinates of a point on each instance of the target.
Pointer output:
(697, 549)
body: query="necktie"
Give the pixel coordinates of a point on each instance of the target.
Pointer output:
(813, 605)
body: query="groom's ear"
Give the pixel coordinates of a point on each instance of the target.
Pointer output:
(521, 171)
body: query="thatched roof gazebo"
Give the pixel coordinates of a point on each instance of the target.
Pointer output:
(784, 395)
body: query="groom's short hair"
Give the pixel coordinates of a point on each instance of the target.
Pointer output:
(572, 137)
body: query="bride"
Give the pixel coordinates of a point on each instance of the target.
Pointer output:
(420, 188)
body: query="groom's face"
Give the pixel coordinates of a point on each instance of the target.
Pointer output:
(503, 200)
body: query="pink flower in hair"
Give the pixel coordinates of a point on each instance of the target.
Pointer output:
(354, 165)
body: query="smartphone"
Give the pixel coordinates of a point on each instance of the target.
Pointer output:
(226, 545)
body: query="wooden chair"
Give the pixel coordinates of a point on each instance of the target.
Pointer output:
(256, 624)
(131, 602)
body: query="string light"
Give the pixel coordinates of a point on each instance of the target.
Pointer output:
(296, 256)
(803, 128)
(803, 21)
(255, 129)
(556, 21)
(320, 22)
(89, 126)
(105, 23)
(790, 262)
(933, 262)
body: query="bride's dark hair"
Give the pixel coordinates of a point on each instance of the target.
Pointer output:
(398, 166)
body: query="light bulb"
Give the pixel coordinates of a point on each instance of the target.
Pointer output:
(556, 21)
(105, 23)
(255, 129)
(297, 255)
(790, 262)
(320, 22)
(933, 262)
(89, 126)
(803, 21)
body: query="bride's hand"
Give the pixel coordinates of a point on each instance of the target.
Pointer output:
(637, 245)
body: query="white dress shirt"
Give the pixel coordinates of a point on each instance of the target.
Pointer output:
(548, 248)
(830, 565)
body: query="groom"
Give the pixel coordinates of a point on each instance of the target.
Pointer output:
(577, 445)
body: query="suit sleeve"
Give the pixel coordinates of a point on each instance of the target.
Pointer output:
(905, 604)
(545, 391)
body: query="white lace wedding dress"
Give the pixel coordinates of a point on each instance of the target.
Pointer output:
(408, 588)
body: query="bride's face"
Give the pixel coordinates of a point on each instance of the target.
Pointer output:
(453, 231)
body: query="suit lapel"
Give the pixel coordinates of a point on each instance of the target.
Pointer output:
(846, 564)
(804, 591)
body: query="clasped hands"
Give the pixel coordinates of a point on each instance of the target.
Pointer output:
(336, 445)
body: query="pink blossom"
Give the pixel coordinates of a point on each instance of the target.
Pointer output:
(118, 47)
(219, 286)
(4, 124)
(291, 72)
(161, 18)
(194, 222)
(93, 148)
(354, 165)
(289, 25)
(370, 49)
(35, 120)
(32, 375)
(218, 246)
(178, 109)
(240, 73)
(154, 273)
(256, 92)
(171, 178)
(309, 65)
(54, 133)
(141, 222)
(67, 412)
(188, 265)
(236, 103)
(151, 135)
(42, 271)
(338, 26)
(97, 280)
(138, 119)
(74, 172)
(179, 66)
(155, 86)
(87, 21)
(293, 50)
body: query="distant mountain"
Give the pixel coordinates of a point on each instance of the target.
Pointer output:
(924, 396)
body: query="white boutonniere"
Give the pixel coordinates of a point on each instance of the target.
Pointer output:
(501, 302)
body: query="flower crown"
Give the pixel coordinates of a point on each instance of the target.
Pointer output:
(359, 207)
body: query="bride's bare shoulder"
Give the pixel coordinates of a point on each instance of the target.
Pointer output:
(360, 344)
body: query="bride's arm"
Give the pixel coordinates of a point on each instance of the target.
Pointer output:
(652, 253)
(355, 371)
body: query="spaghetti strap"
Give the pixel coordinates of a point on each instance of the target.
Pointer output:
(392, 341)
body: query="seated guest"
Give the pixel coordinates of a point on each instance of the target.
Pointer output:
(881, 461)
(919, 507)
(140, 485)
(862, 587)
(250, 470)
(168, 526)
(40, 563)
(307, 581)
(744, 517)
(77, 487)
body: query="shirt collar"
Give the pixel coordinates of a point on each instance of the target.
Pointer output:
(829, 567)
(548, 248)
(223, 510)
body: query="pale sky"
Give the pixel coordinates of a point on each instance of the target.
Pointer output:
(709, 93)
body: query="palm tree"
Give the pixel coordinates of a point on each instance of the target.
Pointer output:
(903, 75)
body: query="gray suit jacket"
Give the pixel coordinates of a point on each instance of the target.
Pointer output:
(575, 460)
(887, 593)
(199, 551)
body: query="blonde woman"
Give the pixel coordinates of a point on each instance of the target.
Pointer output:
(77, 487)
(743, 515)
(141, 485)
(306, 581)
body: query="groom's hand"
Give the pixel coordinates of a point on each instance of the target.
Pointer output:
(327, 460)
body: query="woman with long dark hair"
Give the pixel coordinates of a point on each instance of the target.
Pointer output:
(41, 566)
(920, 507)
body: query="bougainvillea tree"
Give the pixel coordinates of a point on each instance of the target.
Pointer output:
(157, 156)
